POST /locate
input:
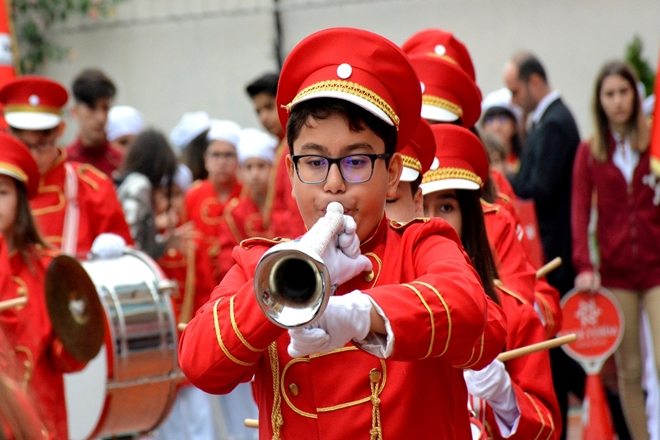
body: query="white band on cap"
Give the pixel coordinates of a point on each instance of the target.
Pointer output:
(32, 120)
(409, 175)
(440, 185)
(433, 113)
(360, 102)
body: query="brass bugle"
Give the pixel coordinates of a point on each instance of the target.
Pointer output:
(19, 301)
(291, 282)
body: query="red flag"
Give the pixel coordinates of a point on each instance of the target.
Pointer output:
(655, 130)
(7, 62)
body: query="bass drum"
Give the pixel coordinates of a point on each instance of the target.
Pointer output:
(130, 385)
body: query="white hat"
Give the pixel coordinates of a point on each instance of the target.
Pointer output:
(224, 130)
(189, 126)
(500, 98)
(256, 144)
(183, 177)
(123, 120)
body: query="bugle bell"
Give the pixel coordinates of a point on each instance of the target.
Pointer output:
(291, 282)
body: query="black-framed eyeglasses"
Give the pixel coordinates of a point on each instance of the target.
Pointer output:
(355, 168)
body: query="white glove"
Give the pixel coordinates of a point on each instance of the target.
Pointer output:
(108, 245)
(347, 317)
(342, 256)
(493, 384)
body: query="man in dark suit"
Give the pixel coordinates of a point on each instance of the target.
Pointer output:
(545, 173)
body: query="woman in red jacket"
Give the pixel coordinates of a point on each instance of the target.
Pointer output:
(611, 173)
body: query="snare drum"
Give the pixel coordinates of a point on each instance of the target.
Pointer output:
(130, 386)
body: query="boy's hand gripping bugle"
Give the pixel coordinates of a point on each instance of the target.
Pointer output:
(294, 280)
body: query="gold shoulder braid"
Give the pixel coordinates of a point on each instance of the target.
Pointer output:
(276, 419)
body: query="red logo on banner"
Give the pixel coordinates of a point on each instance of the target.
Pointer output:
(596, 319)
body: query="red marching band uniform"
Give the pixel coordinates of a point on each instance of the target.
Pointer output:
(432, 318)
(39, 353)
(75, 202)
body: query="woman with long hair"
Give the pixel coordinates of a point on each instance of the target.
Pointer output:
(612, 176)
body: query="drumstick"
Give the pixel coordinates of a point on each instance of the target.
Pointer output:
(251, 423)
(532, 348)
(181, 326)
(189, 292)
(548, 267)
(12, 303)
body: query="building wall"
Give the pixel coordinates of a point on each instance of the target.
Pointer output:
(170, 56)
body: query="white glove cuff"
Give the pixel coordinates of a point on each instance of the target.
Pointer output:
(507, 413)
(376, 344)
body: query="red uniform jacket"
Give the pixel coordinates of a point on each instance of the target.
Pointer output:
(437, 310)
(245, 219)
(283, 217)
(105, 157)
(628, 229)
(99, 208)
(530, 374)
(213, 254)
(39, 354)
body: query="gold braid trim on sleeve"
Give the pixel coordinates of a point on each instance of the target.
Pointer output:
(221, 343)
(431, 317)
(444, 304)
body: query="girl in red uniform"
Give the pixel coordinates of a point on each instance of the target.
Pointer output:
(40, 355)
(515, 400)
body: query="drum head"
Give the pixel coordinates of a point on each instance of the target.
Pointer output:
(75, 308)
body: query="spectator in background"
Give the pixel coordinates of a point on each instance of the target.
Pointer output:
(93, 92)
(150, 163)
(613, 168)
(188, 138)
(123, 126)
(501, 119)
(545, 176)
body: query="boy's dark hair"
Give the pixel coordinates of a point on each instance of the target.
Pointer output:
(357, 117)
(528, 64)
(266, 83)
(91, 85)
(475, 240)
(193, 155)
(414, 185)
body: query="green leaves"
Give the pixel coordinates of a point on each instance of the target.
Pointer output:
(34, 19)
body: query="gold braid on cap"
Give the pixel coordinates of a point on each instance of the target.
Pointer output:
(451, 173)
(338, 85)
(13, 171)
(436, 101)
(412, 163)
(26, 108)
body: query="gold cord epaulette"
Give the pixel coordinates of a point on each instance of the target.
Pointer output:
(442, 103)
(451, 173)
(338, 85)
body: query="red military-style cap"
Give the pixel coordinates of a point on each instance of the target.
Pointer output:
(357, 66)
(463, 163)
(33, 102)
(443, 44)
(418, 153)
(17, 162)
(448, 94)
